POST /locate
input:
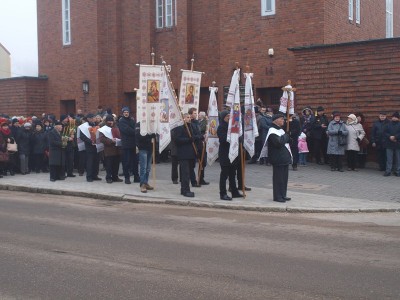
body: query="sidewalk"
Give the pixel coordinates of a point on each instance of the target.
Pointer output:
(308, 189)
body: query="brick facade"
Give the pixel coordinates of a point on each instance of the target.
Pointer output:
(23, 96)
(350, 77)
(110, 37)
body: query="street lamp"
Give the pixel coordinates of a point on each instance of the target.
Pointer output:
(85, 86)
(85, 90)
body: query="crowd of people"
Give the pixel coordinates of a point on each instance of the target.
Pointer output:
(81, 143)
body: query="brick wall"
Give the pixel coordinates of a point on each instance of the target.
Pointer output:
(110, 37)
(23, 96)
(350, 77)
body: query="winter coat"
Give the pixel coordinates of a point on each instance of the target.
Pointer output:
(392, 129)
(278, 154)
(317, 131)
(24, 141)
(333, 133)
(110, 148)
(56, 153)
(144, 142)
(294, 132)
(172, 145)
(185, 143)
(302, 144)
(39, 142)
(377, 135)
(223, 150)
(264, 124)
(355, 131)
(90, 148)
(127, 129)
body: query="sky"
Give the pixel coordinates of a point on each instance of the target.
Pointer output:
(18, 34)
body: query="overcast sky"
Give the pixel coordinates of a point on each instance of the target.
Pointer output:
(18, 34)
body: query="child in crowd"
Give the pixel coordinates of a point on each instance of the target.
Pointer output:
(303, 149)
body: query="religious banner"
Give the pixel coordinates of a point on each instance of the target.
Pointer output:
(213, 123)
(148, 103)
(250, 122)
(233, 88)
(287, 96)
(189, 95)
(235, 119)
(170, 115)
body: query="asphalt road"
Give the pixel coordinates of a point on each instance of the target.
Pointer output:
(54, 247)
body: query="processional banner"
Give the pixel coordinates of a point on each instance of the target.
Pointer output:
(213, 123)
(189, 93)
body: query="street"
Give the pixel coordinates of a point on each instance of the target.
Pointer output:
(60, 247)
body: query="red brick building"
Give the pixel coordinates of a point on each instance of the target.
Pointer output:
(100, 42)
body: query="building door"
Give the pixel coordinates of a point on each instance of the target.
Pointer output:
(67, 107)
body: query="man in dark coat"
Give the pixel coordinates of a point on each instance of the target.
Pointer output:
(378, 140)
(319, 137)
(39, 145)
(280, 157)
(186, 154)
(392, 142)
(24, 147)
(56, 153)
(126, 127)
(228, 169)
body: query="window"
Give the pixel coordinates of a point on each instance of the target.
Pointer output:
(267, 7)
(351, 10)
(389, 18)
(66, 22)
(358, 9)
(166, 13)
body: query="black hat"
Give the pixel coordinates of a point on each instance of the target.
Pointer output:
(223, 114)
(320, 108)
(109, 118)
(396, 115)
(56, 122)
(90, 115)
(383, 113)
(335, 113)
(277, 116)
(13, 121)
(63, 117)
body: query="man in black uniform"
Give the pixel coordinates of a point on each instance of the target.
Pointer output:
(280, 157)
(186, 153)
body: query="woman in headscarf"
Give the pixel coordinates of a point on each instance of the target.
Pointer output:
(355, 135)
(337, 133)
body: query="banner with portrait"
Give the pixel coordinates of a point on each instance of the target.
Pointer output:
(250, 122)
(189, 93)
(148, 103)
(212, 126)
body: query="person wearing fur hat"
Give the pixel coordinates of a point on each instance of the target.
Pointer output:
(392, 142)
(337, 133)
(280, 157)
(355, 134)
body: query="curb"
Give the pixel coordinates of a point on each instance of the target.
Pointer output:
(155, 200)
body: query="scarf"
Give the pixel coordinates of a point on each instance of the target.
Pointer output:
(6, 131)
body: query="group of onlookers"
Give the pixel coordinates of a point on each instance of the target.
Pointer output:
(326, 140)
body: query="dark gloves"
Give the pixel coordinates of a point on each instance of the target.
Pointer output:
(339, 132)
(358, 140)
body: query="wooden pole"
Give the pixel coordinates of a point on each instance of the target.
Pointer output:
(177, 104)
